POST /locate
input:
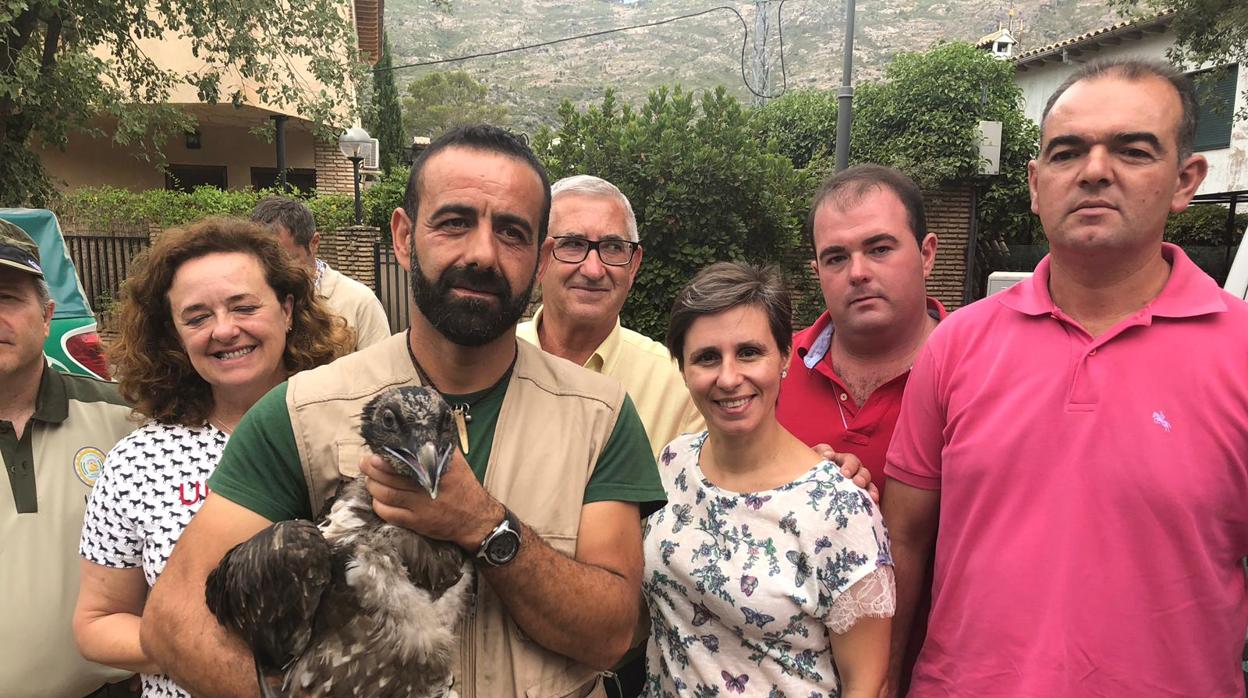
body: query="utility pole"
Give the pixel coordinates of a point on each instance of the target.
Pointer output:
(845, 95)
(762, 65)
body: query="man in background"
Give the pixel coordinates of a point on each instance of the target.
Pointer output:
(588, 266)
(295, 228)
(873, 255)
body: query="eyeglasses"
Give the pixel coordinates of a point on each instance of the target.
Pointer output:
(612, 251)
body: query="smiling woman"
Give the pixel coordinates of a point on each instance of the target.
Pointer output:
(211, 318)
(766, 569)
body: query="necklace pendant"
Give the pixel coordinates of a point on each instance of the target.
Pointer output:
(460, 414)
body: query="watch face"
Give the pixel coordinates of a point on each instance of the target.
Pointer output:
(503, 548)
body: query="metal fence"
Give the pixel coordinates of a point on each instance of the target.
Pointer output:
(103, 261)
(393, 289)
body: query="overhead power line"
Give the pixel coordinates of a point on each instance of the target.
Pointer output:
(745, 34)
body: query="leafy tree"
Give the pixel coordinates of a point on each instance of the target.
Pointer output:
(1206, 32)
(382, 197)
(439, 102)
(71, 67)
(385, 114)
(703, 187)
(922, 119)
(800, 125)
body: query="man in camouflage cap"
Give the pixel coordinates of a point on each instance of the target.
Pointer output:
(54, 432)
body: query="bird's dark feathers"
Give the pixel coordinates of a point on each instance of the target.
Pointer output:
(289, 555)
(354, 606)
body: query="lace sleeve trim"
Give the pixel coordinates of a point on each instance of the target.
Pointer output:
(873, 596)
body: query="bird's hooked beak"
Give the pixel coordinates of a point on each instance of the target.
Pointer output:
(424, 461)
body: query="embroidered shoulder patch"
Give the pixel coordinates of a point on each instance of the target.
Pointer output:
(88, 463)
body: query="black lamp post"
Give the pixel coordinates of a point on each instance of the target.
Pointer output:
(352, 144)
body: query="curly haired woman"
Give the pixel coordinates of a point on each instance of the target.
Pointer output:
(211, 318)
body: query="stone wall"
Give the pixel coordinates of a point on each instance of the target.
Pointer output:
(352, 251)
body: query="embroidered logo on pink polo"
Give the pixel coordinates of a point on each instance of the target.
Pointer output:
(1159, 418)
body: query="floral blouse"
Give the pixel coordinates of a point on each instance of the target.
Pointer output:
(743, 589)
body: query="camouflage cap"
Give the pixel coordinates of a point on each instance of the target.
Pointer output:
(17, 250)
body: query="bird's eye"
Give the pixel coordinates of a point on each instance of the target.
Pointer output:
(388, 420)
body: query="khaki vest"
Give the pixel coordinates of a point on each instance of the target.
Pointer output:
(554, 421)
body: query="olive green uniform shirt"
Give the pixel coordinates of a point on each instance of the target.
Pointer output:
(50, 471)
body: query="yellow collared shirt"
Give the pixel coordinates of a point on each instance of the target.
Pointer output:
(649, 374)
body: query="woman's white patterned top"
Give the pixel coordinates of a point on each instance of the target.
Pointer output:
(743, 589)
(153, 482)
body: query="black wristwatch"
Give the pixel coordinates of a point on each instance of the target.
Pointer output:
(503, 543)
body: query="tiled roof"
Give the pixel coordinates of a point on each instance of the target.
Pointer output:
(1112, 34)
(988, 39)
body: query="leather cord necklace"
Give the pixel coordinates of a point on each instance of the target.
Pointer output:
(460, 411)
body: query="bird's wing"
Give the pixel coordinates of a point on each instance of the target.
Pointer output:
(267, 589)
(431, 564)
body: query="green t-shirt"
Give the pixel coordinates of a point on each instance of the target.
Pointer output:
(260, 469)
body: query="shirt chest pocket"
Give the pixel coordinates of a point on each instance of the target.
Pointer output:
(348, 454)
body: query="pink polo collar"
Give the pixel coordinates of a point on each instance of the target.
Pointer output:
(1189, 292)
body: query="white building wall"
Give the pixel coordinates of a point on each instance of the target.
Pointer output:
(1228, 167)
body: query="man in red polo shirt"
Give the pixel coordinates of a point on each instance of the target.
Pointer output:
(872, 256)
(1077, 445)
(845, 379)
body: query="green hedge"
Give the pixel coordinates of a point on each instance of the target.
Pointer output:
(108, 207)
(1204, 224)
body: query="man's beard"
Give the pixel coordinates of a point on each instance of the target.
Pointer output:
(468, 322)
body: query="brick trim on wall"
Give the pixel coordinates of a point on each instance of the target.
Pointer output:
(333, 171)
(949, 217)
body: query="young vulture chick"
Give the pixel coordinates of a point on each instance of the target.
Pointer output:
(355, 606)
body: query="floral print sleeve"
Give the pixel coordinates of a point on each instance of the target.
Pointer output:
(743, 589)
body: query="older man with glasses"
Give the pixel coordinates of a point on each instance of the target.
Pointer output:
(589, 263)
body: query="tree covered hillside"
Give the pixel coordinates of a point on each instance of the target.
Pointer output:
(697, 53)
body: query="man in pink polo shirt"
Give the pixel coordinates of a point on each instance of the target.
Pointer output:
(1077, 446)
(872, 256)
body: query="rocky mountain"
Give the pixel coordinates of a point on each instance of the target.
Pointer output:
(699, 52)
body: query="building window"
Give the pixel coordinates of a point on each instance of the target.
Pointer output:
(1215, 93)
(302, 180)
(187, 177)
